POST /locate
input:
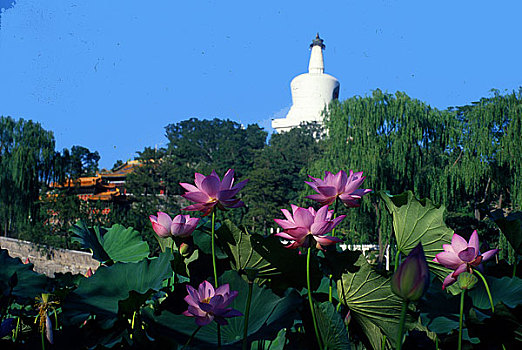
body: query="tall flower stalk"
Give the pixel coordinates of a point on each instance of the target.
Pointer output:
(310, 300)
(461, 315)
(247, 314)
(306, 228)
(209, 193)
(213, 243)
(487, 289)
(410, 281)
(402, 321)
(335, 188)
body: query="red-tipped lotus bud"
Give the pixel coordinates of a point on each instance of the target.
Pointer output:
(347, 319)
(412, 278)
(185, 250)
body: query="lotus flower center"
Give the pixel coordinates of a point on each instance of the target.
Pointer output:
(206, 300)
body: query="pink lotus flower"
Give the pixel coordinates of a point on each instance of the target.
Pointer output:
(211, 191)
(180, 226)
(462, 256)
(339, 185)
(207, 304)
(307, 223)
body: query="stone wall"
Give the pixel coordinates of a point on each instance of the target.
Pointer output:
(48, 260)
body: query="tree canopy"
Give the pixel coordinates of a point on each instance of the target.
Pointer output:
(26, 159)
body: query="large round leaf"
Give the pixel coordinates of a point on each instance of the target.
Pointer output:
(503, 290)
(371, 302)
(117, 244)
(421, 221)
(19, 279)
(331, 326)
(102, 293)
(268, 315)
(511, 227)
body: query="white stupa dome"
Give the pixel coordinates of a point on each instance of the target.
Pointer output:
(311, 92)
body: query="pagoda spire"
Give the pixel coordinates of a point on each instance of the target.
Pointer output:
(316, 64)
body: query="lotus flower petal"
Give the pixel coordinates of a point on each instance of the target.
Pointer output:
(462, 268)
(467, 255)
(474, 241)
(462, 256)
(489, 254)
(339, 185)
(161, 224)
(449, 280)
(448, 259)
(302, 223)
(458, 243)
(207, 304)
(210, 191)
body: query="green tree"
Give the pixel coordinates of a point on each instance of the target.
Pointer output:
(398, 142)
(278, 174)
(26, 161)
(206, 145)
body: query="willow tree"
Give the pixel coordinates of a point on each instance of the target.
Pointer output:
(26, 160)
(398, 142)
(488, 171)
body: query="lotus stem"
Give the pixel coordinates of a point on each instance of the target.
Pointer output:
(333, 234)
(173, 272)
(191, 337)
(397, 259)
(216, 284)
(335, 213)
(132, 323)
(460, 317)
(330, 289)
(247, 312)
(15, 336)
(383, 344)
(310, 301)
(55, 319)
(43, 339)
(487, 289)
(214, 251)
(401, 324)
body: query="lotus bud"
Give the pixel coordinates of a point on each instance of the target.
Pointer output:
(49, 329)
(412, 278)
(347, 319)
(467, 280)
(185, 250)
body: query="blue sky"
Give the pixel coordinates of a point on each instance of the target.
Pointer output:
(110, 75)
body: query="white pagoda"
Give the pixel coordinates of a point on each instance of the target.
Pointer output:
(311, 92)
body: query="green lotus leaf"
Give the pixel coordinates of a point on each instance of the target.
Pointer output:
(421, 221)
(371, 302)
(503, 290)
(102, 293)
(511, 227)
(331, 326)
(19, 279)
(269, 314)
(117, 244)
